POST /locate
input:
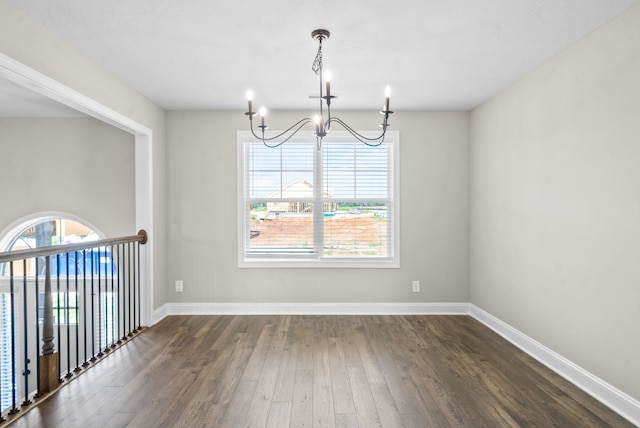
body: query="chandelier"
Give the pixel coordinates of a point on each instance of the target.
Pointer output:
(322, 124)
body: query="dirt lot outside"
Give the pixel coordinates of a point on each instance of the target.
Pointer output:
(344, 234)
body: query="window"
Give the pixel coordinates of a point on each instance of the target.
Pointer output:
(336, 207)
(64, 305)
(44, 232)
(7, 350)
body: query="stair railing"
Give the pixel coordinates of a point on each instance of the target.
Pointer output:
(62, 308)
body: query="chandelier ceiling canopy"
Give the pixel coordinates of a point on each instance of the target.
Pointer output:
(323, 120)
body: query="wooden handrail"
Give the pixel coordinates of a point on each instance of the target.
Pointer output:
(9, 256)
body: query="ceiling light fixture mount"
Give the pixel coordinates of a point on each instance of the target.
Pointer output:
(322, 125)
(320, 34)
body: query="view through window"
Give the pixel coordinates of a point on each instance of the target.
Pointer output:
(333, 205)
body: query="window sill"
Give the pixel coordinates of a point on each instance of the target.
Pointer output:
(325, 263)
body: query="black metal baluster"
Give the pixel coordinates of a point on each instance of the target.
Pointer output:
(139, 289)
(26, 370)
(120, 294)
(68, 321)
(129, 308)
(84, 306)
(14, 409)
(58, 313)
(93, 315)
(135, 288)
(125, 291)
(37, 292)
(100, 320)
(113, 308)
(105, 298)
(77, 317)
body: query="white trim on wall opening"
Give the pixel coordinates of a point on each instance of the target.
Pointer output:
(29, 78)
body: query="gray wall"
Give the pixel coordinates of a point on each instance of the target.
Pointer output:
(31, 44)
(555, 204)
(80, 166)
(202, 239)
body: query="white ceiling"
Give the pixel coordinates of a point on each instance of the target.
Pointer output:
(435, 54)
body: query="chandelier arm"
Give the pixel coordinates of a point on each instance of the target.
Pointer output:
(299, 124)
(360, 137)
(294, 132)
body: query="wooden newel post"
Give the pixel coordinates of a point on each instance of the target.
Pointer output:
(49, 375)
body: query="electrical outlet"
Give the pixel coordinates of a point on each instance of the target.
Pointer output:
(415, 286)
(179, 287)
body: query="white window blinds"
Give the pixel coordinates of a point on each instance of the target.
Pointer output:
(304, 206)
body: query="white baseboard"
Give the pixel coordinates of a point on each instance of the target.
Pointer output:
(310, 309)
(159, 314)
(617, 400)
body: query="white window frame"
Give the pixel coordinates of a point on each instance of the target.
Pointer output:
(317, 260)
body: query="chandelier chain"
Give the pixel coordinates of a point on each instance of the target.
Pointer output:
(317, 62)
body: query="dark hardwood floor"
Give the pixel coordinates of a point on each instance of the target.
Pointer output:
(304, 371)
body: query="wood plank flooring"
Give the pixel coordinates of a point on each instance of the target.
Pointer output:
(319, 371)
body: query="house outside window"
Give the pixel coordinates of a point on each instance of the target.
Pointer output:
(300, 206)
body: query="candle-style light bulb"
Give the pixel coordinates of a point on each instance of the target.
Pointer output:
(250, 99)
(316, 120)
(387, 94)
(263, 113)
